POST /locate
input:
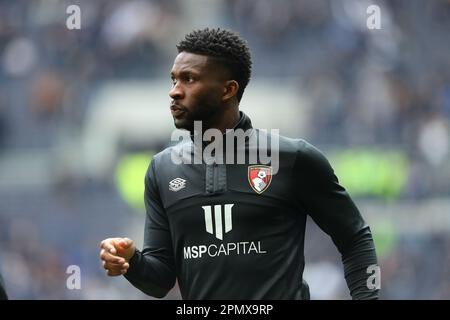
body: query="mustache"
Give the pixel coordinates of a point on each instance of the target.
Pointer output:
(177, 106)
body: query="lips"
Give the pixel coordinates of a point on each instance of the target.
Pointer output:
(176, 110)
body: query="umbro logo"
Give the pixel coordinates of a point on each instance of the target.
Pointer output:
(177, 184)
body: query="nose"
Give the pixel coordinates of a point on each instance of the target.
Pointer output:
(176, 93)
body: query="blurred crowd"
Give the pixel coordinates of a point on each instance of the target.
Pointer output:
(388, 88)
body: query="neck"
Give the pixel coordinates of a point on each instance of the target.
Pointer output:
(227, 120)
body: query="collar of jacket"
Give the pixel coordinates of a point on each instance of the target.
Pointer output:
(244, 123)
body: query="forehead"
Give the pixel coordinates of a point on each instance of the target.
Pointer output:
(186, 61)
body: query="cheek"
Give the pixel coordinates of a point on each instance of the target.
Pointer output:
(207, 95)
(214, 93)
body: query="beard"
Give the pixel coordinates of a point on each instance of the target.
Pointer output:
(201, 110)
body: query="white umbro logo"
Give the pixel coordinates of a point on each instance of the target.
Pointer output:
(177, 184)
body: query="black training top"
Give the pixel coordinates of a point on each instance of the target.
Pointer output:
(236, 231)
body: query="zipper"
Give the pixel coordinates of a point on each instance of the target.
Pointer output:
(215, 177)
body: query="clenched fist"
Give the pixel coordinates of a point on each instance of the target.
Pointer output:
(115, 254)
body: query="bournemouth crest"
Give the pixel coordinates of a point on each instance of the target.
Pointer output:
(259, 177)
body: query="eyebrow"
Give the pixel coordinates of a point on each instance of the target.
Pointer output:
(186, 71)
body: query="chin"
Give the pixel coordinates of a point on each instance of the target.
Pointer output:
(182, 124)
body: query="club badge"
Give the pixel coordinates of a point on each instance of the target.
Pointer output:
(259, 177)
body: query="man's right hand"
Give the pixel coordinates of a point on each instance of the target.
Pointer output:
(115, 254)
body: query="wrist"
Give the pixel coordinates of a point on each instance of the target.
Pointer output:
(132, 256)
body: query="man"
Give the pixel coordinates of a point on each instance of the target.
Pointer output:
(234, 231)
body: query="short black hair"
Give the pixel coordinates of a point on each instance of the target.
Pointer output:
(227, 47)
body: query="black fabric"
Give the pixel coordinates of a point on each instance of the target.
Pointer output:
(357, 259)
(223, 240)
(3, 295)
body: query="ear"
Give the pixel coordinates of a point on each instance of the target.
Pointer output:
(230, 89)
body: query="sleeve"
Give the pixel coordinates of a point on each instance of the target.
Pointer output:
(3, 295)
(153, 270)
(332, 209)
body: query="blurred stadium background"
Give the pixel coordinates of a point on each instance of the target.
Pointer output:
(82, 112)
